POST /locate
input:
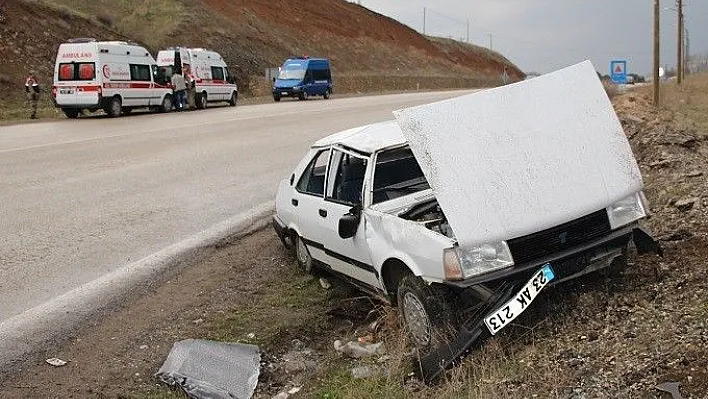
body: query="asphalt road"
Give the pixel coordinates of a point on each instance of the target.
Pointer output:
(81, 198)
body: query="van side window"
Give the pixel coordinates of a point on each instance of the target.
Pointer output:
(320, 74)
(217, 73)
(312, 180)
(346, 178)
(140, 73)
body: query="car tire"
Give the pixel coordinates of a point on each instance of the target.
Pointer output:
(71, 113)
(327, 94)
(115, 108)
(304, 259)
(233, 99)
(202, 100)
(426, 314)
(276, 99)
(166, 104)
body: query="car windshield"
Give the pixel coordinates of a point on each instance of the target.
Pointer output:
(292, 71)
(397, 173)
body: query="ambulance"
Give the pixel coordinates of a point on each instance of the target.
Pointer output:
(114, 76)
(213, 80)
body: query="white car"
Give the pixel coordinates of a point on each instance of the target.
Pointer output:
(508, 213)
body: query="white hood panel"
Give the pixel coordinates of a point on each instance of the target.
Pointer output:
(522, 158)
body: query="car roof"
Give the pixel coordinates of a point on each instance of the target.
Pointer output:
(367, 139)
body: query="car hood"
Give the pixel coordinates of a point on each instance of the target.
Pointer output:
(518, 159)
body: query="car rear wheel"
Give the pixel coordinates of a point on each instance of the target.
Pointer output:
(232, 100)
(304, 259)
(115, 108)
(327, 94)
(426, 314)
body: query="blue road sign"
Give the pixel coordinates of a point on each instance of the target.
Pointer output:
(618, 72)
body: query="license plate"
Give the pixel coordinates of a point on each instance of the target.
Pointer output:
(66, 91)
(520, 302)
(285, 93)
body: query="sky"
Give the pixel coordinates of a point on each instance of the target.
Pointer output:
(546, 35)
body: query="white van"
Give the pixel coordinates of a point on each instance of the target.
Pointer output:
(114, 76)
(213, 80)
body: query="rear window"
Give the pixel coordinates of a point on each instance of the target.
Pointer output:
(77, 71)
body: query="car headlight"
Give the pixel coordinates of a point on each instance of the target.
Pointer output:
(460, 264)
(626, 211)
(296, 88)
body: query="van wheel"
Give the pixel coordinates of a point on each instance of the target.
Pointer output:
(426, 314)
(71, 113)
(232, 100)
(326, 95)
(166, 104)
(303, 96)
(276, 98)
(304, 259)
(115, 107)
(202, 100)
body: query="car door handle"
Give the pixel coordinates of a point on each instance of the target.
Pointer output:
(323, 213)
(294, 202)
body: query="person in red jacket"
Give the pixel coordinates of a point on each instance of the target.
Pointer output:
(32, 92)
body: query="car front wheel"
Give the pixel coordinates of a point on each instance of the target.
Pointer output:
(304, 259)
(426, 313)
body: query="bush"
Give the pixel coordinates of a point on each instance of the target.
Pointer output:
(610, 89)
(105, 19)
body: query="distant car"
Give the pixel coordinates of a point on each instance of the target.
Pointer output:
(302, 78)
(630, 79)
(414, 212)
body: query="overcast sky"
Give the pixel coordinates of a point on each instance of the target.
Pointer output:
(545, 35)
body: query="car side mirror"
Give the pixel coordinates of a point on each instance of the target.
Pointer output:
(349, 223)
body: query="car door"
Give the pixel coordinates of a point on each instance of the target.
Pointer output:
(307, 201)
(345, 184)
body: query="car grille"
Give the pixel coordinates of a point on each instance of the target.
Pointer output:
(559, 238)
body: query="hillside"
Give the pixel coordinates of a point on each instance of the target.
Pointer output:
(368, 51)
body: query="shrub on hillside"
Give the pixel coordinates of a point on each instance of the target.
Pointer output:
(105, 19)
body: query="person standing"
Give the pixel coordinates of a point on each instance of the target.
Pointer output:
(32, 92)
(179, 86)
(191, 86)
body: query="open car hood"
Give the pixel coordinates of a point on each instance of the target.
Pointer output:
(518, 159)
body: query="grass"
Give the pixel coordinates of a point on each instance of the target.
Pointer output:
(148, 21)
(689, 101)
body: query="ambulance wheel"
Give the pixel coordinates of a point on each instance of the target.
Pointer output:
(202, 100)
(326, 95)
(232, 100)
(71, 113)
(115, 108)
(166, 104)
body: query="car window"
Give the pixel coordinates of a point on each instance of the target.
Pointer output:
(217, 73)
(346, 178)
(397, 173)
(312, 180)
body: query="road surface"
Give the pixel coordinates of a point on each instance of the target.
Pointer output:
(81, 198)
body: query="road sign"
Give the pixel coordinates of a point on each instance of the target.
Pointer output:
(618, 72)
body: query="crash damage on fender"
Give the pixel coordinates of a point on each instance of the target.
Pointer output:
(462, 212)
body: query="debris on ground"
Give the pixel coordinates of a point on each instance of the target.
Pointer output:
(361, 372)
(210, 369)
(325, 284)
(56, 362)
(358, 351)
(672, 388)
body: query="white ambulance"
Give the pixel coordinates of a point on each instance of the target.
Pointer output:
(213, 80)
(114, 76)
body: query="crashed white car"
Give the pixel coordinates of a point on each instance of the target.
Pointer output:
(462, 211)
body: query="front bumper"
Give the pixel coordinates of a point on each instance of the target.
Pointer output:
(499, 287)
(286, 92)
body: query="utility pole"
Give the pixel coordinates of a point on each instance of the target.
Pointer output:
(424, 11)
(656, 53)
(468, 30)
(491, 43)
(686, 54)
(679, 43)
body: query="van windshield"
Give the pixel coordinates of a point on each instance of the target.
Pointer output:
(292, 71)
